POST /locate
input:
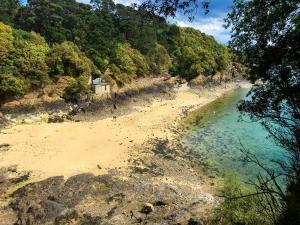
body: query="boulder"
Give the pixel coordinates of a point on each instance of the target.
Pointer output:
(192, 221)
(56, 119)
(147, 208)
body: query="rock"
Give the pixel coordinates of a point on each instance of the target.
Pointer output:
(204, 199)
(147, 208)
(2, 118)
(192, 221)
(4, 147)
(66, 216)
(159, 203)
(56, 119)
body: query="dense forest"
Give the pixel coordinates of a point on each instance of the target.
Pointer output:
(46, 40)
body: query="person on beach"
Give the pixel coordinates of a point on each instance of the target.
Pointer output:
(114, 107)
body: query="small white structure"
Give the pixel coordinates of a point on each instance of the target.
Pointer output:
(100, 87)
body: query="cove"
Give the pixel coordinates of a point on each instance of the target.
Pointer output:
(217, 130)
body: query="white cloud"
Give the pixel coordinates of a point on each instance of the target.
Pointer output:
(84, 1)
(126, 2)
(208, 25)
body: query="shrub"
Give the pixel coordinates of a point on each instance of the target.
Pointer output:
(159, 59)
(29, 57)
(73, 92)
(67, 60)
(11, 86)
(6, 43)
(238, 211)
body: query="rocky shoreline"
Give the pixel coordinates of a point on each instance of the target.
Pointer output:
(101, 107)
(165, 183)
(162, 186)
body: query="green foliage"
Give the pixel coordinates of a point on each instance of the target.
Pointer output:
(6, 43)
(22, 61)
(197, 54)
(223, 58)
(8, 10)
(26, 61)
(140, 62)
(29, 57)
(66, 59)
(73, 92)
(105, 30)
(127, 64)
(128, 43)
(238, 211)
(159, 59)
(123, 59)
(11, 86)
(265, 34)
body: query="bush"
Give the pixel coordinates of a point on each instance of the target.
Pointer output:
(238, 211)
(6, 43)
(11, 86)
(29, 56)
(22, 62)
(73, 92)
(127, 64)
(197, 54)
(159, 59)
(67, 60)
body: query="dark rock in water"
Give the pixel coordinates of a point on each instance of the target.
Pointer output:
(56, 119)
(147, 208)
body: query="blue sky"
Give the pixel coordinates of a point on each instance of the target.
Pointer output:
(210, 24)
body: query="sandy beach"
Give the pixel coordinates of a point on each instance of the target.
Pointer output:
(72, 148)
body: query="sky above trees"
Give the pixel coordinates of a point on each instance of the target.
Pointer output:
(211, 23)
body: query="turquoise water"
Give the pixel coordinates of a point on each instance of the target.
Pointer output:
(217, 132)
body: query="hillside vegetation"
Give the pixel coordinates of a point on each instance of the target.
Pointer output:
(47, 40)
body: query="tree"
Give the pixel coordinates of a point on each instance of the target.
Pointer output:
(8, 10)
(43, 17)
(169, 8)
(11, 86)
(22, 62)
(159, 59)
(29, 56)
(266, 36)
(66, 59)
(6, 43)
(129, 42)
(195, 53)
(127, 64)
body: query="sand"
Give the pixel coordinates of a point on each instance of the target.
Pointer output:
(71, 148)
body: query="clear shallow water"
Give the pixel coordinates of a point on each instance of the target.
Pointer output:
(217, 131)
